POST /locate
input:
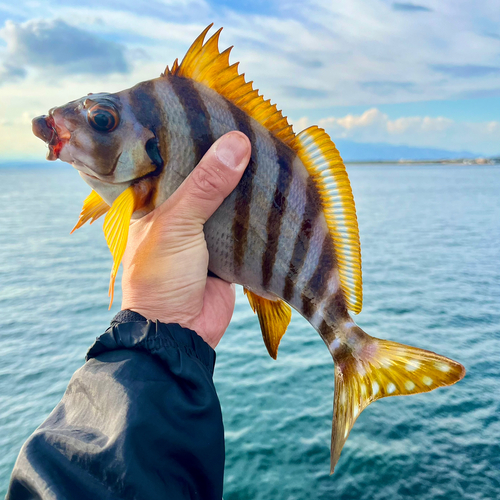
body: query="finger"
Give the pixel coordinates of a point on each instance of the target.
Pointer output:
(213, 179)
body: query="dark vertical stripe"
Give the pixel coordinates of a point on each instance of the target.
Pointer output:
(312, 210)
(147, 109)
(316, 286)
(324, 329)
(145, 105)
(243, 191)
(197, 115)
(277, 209)
(337, 307)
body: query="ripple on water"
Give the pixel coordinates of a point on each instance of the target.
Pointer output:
(431, 249)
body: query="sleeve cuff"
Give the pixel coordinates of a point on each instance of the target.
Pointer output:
(130, 330)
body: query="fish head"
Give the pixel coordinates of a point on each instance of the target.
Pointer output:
(100, 137)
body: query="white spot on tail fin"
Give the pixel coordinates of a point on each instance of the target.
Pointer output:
(342, 398)
(375, 388)
(413, 365)
(426, 380)
(443, 367)
(391, 387)
(409, 385)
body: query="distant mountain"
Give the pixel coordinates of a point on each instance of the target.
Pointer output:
(363, 151)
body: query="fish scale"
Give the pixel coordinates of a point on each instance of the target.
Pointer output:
(288, 232)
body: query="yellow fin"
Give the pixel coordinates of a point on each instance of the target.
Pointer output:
(204, 63)
(116, 226)
(381, 368)
(324, 164)
(274, 318)
(93, 207)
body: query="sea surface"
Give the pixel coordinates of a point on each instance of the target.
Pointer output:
(430, 238)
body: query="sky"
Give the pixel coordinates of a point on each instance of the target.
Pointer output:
(422, 74)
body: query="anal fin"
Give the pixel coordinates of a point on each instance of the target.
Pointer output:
(116, 226)
(93, 207)
(274, 318)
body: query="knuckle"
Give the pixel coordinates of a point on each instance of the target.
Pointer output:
(208, 181)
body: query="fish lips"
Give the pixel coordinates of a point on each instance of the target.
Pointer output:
(44, 127)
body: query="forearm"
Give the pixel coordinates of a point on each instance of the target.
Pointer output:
(141, 419)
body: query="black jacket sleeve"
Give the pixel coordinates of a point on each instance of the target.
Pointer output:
(140, 420)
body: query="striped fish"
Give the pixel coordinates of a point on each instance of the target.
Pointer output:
(288, 233)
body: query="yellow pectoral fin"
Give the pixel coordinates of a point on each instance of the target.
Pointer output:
(274, 318)
(93, 207)
(116, 225)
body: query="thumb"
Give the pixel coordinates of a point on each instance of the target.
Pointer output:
(213, 179)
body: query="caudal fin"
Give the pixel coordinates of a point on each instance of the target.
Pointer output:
(373, 369)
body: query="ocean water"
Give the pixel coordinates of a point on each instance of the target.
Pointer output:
(430, 240)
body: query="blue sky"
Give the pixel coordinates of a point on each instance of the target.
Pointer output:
(423, 73)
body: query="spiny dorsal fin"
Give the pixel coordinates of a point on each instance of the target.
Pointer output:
(274, 318)
(93, 207)
(324, 164)
(204, 63)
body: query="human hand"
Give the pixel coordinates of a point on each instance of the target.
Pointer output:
(166, 261)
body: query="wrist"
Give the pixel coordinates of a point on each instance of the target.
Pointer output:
(172, 306)
(153, 314)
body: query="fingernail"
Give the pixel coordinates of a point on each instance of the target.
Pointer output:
(231, 149)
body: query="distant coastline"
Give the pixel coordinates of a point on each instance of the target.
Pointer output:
(446, 161)
(457, 161)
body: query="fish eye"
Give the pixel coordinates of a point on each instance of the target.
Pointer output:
(103, 118)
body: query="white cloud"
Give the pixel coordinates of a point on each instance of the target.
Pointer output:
(373, 126)
(321, 53)
(306, 56)
(58, 48)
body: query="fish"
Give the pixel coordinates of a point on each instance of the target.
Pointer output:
(288, 233)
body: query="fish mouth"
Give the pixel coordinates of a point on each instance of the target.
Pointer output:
(51, 131)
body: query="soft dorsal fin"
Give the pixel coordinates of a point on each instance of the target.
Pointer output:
(204, 63)
(93, 207)
(324, 164)
(274, 318)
